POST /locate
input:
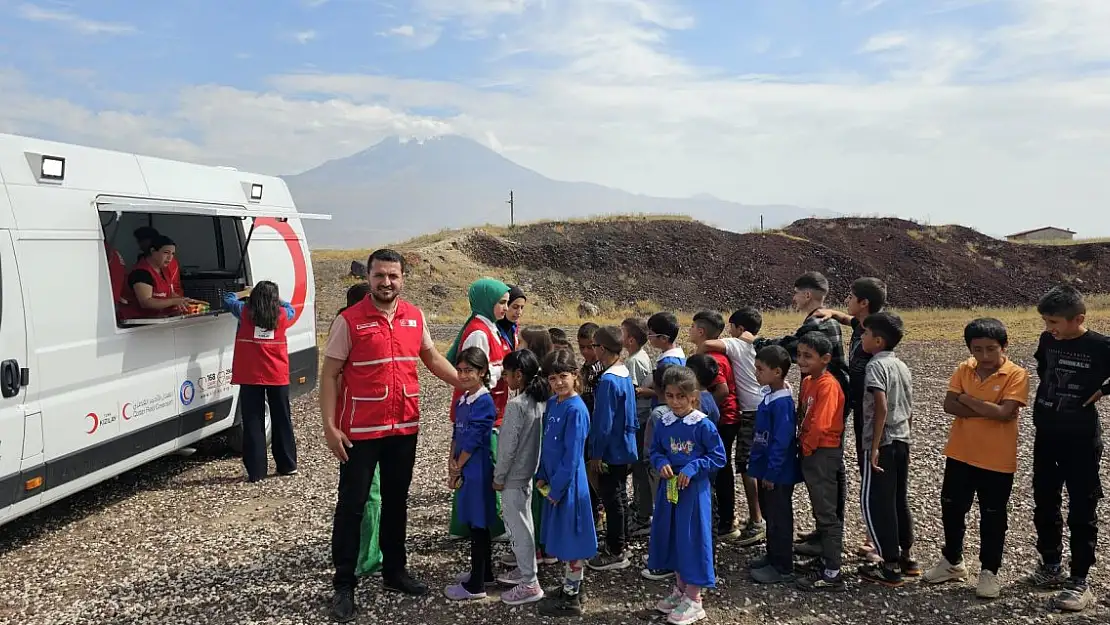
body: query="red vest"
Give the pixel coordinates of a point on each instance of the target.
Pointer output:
(498, 349)
(380, 391)
(162, 290)
(117, 273)
(173, 272)
(261, 356)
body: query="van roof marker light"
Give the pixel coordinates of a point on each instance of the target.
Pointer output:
(256, 192)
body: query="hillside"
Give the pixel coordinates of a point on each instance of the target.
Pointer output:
(400, 189)
(686, 265)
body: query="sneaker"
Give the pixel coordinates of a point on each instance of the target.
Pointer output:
(289, 473)
(544, 558)
(522, 594)
(343, 608)
(657, 575)
(511, 578)
(730, 533)
(405, 584)
(1076, 597)
(640, 529)
(988, 587)
(810, 549)
(808, 537)
(458, 592)
(945, 571)
(909, 566)
(771, 575)
(464, 578)
(509, 559)
(504, 538)
(887, 575)
(817, 581)
(559, 603)
(688, 611)
(668, 604)
(758, 563)
(753, 534)
(811, 564)
(606, 562)
(1046, 576)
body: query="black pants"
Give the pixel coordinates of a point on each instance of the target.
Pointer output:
(777, 506)
(821, 471)
(253, 400)
(885, 502)
(962, 482)
(642, 492)
(394, 457)
(481, 560)
(1070, 461)
(726, 479)
(614, 496)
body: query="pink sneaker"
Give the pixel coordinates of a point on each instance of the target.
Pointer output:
(459, 593)
(522, 594)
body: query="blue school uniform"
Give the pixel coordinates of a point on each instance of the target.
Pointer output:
(774, 455)
(682, 533)
(709, 407)
(474, 417)
(673, 356)
(568, 524)
(613, 425)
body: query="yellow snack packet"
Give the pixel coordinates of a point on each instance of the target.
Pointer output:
(672, 490)
(545, 490)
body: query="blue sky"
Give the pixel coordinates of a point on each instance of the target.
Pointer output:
(988, 111)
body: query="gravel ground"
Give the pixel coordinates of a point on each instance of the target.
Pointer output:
(186, 540)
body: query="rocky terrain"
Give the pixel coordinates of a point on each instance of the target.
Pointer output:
(186, 540)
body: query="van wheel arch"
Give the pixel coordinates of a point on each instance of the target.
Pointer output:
(235, 432)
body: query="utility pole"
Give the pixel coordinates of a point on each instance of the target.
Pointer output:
(510, 203)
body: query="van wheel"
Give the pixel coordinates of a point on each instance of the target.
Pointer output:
(235, 435)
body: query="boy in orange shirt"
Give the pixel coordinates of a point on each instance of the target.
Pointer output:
(821, 414)
(985, 396)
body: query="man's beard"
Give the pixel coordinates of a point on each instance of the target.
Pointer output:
(390, 298)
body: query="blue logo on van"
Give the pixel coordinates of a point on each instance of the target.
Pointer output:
(187, 392)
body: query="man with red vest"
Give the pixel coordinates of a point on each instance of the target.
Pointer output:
(371, 354)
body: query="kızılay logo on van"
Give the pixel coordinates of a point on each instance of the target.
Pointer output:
(188, 391)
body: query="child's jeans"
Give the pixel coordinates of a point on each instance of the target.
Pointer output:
(516, 507)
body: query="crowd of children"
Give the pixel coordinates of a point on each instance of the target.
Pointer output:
(683, 428)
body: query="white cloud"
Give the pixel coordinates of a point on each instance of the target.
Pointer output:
(304, 36)
(956, 131)
(74, 22)
(313, 4)
(405, 30)
(885, 42)
(861, 6)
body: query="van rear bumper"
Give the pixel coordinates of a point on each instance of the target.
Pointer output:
(303, 365)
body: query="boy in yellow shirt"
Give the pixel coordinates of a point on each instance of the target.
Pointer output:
(985, 396)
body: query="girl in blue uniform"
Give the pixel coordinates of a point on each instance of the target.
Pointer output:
(685, 448)
(471, 472)
(568, 520)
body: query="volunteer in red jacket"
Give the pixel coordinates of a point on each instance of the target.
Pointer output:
(374, 347)
(146, 235)
(261, 369)
(148, 292)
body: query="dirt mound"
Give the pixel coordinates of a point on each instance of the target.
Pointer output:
(686, 265)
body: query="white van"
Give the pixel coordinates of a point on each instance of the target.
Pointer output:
(85, 396)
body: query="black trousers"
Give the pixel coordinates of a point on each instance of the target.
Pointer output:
(394, 456)
(962, 482)
(726, 479)
(253, 400)
(614, 496)
(1071, 461)
(481, 560)
(777, 506)
(885, 502)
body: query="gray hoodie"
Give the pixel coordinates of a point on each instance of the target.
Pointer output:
(518, 442)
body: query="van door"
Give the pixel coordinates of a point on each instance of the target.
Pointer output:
(21, 467)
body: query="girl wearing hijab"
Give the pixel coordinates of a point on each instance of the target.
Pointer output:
(510, 323)
(489, 299)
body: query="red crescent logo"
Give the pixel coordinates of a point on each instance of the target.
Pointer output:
(300, 268)
(123, 411)
(95, 422)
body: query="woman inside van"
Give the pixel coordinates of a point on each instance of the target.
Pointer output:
(150, 287)
(260, 366)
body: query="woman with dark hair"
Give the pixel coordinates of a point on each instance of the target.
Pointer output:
(260, 367)
(509, 325)
(537, 339)
(149, 291)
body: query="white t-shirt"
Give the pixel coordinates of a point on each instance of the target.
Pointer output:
(741, 355)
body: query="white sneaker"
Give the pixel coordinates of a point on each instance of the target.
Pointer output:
(687, 612)
(509, 559)
(945, 571)
(988, 587)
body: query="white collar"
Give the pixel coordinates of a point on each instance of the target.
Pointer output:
(770, 396)
(674, 352)
(619, 370)
(691, 419)
(473, 397)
